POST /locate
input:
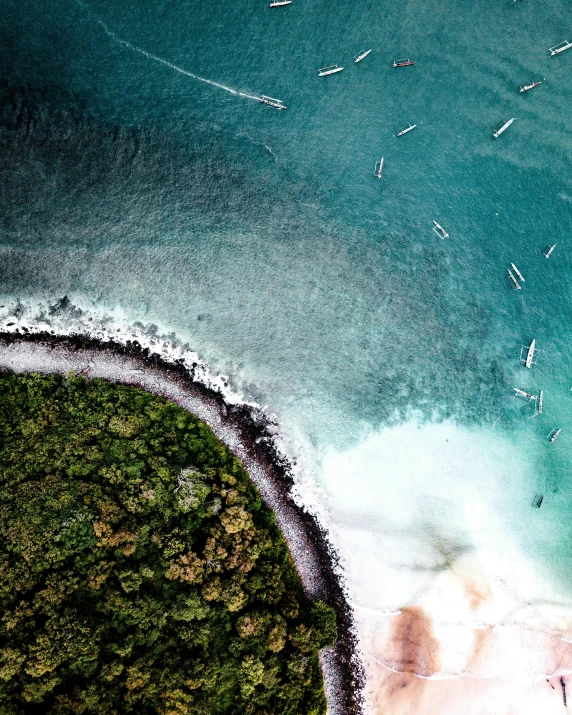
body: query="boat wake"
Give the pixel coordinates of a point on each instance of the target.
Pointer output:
(160, 60)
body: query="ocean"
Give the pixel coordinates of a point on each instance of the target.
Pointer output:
(143, 179)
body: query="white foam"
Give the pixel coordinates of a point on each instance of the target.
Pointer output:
(112, 324)
(29, 356)
(431, 517)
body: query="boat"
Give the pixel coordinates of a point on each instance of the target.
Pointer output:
(331, 69)
(439, 230)
(280, 3)
(505, 126)
(378, 168)
(539, 403)
(271, 102)
(523, 394)
(361, 55)
(548, 250)
(537, 501)
(555, 432)
(529, 360)
(403, 63)
(517, 285)
(408, 129)
(557, 49)
(526, 87)
(530, 355)
(518, 273)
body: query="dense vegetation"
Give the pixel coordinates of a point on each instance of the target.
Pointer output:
(139, 570)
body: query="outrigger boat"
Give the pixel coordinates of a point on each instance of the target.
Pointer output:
(279, 3)
(548, 250)
(331, 69)
(361, 55)
(539, 402)
(518, 273)
(555, 432)
(529, 361)
(523, 394)
(517, 285)
(537, 501)
(271, 102)
(403, 63)
(378, 168)
(439, 230)
(557, 49)
(529, 86)
(505, 126)
(404, 131)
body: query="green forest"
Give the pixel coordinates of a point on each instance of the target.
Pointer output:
(140, 571)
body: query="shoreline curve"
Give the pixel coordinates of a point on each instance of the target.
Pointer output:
(247, 432)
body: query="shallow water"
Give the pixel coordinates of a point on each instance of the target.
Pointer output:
(262, 239)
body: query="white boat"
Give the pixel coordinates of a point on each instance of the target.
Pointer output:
(505, 126)
(548, 250)
(539, 403)
(517, 285)
(555, 432)
(280, 3)
(529, 360)
(557, 49)
(378, 168)
(408, 129)
(271, 102)
(518, 273)
(361, 55)
(526, 87)
(331, 69)
(523, 394)
(439, 230)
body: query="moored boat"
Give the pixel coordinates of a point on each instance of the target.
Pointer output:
(529, 360)
(280, 3)
(439, 230)
(378, 168)
(403, 63)
(517, 272)
(539, 403)
(548, 250)
(517, 285)
(554, 433)
(407, 129)
(523, 394)
(361, 55)
(503, 128)
(331, 69)
(526, 87)
(557, 49)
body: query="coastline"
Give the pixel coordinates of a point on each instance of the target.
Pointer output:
(250, 435)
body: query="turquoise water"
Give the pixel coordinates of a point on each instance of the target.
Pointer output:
(262, 239)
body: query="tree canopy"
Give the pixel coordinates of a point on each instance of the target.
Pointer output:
(139, 569)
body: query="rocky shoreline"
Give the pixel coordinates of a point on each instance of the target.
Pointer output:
(250, 435)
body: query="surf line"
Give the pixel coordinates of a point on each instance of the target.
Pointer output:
(160, 60)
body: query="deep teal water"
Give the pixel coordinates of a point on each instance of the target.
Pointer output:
(262, 238)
